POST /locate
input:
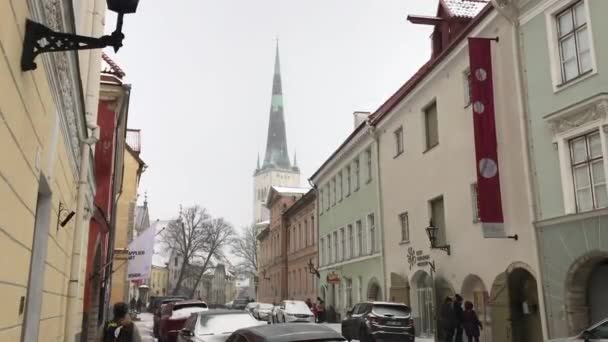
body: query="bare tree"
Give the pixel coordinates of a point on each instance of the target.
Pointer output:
(245, 247)
(186, 236)
(218, 233)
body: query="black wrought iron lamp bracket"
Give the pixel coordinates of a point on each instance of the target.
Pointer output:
(445, 248)
(41, 39)
(312, 269)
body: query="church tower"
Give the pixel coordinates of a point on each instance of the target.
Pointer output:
(276, 169)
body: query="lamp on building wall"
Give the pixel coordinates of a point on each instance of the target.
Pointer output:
(64, 215)
(264, 275)
(432, 232)
(312, 269)
(40, 38)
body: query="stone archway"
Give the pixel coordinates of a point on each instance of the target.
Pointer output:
(374, 292)
(474, 290)
(400, 289)
(422, 303)
(443, 289)
(583, 296)
(95, 297)
(514, 306)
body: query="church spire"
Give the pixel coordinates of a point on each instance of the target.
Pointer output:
(276, 143)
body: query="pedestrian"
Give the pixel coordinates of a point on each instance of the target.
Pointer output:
(472, 325)
(315, 312)
(120, 328)
(321, 309)
(458, 318)
(447, 319)
(132, 304)
(309, 303)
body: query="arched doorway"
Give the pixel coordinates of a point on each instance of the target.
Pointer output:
(514, 305)
(443, 289)
(586, 295)
(374, 292)
(95, 297)
(474, 290)
(422, 304)
(400, 289)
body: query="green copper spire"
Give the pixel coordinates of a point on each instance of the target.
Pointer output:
(276, 143)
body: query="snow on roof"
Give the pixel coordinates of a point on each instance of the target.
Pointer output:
(465, 8)
(291, 190)
(263, 223)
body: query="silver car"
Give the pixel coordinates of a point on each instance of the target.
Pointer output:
(262, 311)
(294, 311)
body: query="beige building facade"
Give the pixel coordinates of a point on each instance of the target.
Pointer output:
(428, 173)
(47, 127)
(159, 280)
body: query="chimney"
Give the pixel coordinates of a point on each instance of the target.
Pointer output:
(360, 117)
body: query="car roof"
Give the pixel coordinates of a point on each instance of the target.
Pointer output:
(223, 312)
(285, 332)
(383, 303)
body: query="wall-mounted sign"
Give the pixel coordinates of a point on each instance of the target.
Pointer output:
(417, 258)
(333, 278)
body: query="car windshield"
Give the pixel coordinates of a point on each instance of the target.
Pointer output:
(225, 324)
(299, 307)
(392, 310)
(265, 307)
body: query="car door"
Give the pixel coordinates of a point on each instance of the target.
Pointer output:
(190, 326)
(357, 319)
(349, 322)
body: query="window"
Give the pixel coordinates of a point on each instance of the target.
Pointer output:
(313, 230)
(322, 252)
(573, 40)
(368, 159)
(336, 246)
(588, 172)
(467, 86)
(334, 194)
(340, 186)
(330, 256)
(405, 227)
(398, 141)
(475, 202)
(357, 173)
(348, 185)
(431, 126)
(306, 234)
(328, 197)
(371, 223)
(349, 292)
(438, 218)
(360, 237)
(342, 245)
(360, 288)
(321, 201)
(351, 244)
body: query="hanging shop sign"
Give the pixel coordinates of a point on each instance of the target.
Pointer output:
(417, 258)
(333, 278)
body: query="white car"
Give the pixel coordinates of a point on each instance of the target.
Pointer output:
(262, 311)
(250, 306)
(596, 333)
(294, 311)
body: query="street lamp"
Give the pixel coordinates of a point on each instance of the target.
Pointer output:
(312, 269)
(432, 232)
(40, 38)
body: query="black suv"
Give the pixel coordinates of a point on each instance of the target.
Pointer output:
(371, 321)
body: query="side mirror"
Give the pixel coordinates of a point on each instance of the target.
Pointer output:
(586, 336)
(349, 313)
(186, 333)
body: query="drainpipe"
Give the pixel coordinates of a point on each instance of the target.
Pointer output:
(371, 130)
(510, 12)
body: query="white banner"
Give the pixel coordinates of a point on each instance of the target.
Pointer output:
(141, 250)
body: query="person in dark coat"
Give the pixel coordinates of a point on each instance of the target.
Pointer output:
(321, 310)
(120, 328)
(447, 319)
(471, 323)
(458, 318)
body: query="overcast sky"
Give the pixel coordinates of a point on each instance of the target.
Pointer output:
(201, 73)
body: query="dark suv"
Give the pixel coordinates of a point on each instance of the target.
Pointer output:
(370, 321)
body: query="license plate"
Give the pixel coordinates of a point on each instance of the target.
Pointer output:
(393, 323)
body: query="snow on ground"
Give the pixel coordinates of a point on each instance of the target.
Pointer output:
(338, 327)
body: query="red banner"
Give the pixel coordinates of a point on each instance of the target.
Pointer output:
(486, 149)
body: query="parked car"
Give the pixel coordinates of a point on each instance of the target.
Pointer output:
(229, 305)
(370, 321)
(174, 315)
(215, 325)
(596, 333)
(250, 306)
(157, 301)
(239, 304)
(156, 306)
(294, 311)
(286, 333)
(262, 311)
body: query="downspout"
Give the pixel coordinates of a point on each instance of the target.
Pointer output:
(84, 211)
(510, 12)
(371, 130)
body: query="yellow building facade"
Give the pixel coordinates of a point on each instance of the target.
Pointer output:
(125, 214)
(159, 281)
(47, 129)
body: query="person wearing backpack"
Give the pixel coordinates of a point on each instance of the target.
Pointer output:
(120, 328)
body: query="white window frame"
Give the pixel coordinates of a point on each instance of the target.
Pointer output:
(369, 162)
(349, 180)
(357, 163)
(340, 180)
(360, 240)
(404, 227)
(333, 191)
(321, 201)
(350, 240)
(371, 234)
(398, 135)
(563, 138)
(336, 246)
(330, 254)
(551, 13)
(322, 251)
(342, 243)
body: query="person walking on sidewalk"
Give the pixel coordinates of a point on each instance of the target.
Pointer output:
(447, 319)
(472, 325)
(120, 328)
(458, 318)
